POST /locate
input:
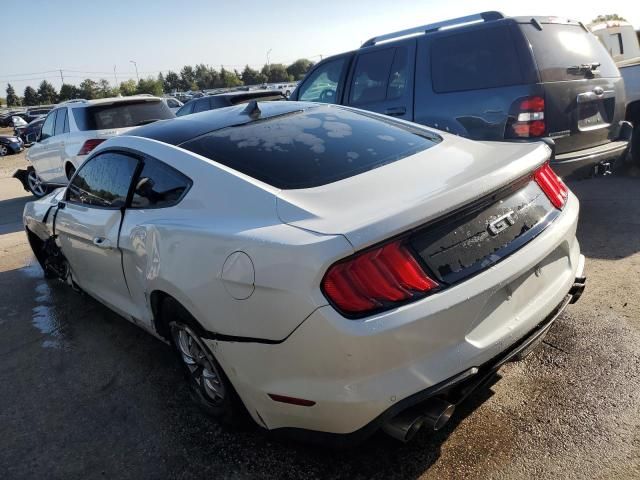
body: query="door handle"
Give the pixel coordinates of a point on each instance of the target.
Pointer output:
(395, 111)
(102, 242)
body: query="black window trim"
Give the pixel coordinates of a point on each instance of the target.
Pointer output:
(340, 89)
(127, 202)
(140, 158)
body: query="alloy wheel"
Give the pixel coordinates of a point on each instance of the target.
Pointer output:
(3, 150)
(199, 364)
(35, 184)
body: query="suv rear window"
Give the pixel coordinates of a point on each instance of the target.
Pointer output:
(473, 60)
(311, 148)
(557, 47)
(120, 115)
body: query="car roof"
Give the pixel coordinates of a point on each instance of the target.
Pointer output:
(80, 103)
(182, 129)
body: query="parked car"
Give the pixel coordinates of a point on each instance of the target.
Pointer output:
(173, 103)
(17, 121)
(7, 119)
(221, 100)
(36, 112)
(490, 77)
(324, 269)
(73, 129)
(9, 145)
(28, 133)
(621, 41)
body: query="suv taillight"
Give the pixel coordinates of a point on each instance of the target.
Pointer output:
(89, 145)
(552, 186)
(376, 279)
(527, 118)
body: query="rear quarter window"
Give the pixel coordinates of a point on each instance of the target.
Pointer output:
(315, 147)
(474, 60)
(120, 115)
(558, 47)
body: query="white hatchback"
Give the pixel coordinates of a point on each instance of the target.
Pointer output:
(328, 270)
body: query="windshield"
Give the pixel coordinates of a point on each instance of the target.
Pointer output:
(121, 115)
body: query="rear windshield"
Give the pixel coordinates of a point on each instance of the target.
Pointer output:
(120, 115)
(559, 47)
(315, 147)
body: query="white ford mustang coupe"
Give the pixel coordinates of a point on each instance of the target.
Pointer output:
(330, 271)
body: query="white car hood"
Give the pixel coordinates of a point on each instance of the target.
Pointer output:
(388, 200)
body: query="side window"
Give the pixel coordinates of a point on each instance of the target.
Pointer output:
(159, 186)
(201, 105)
(399, 74)
(66, 122)
(171, 103)
(371, 77)
(186, 109)
(61, 120)
(484, 58)
(322, 84)
(103, 181)
(47, 127)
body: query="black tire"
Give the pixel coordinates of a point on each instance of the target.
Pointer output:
(4, 150)
(70, 170)
(228, 409)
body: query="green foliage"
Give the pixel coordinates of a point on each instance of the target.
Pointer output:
(606, 18)
(150, 85)
(171, 81)
(128, 88)
(88, 89)
(47, 93)
(250, 76)
(12, 98)
(188, 78)
(229, 78)
(30, 97)
(67, 92)
(105, 90)
(299, 68)
(276, 72)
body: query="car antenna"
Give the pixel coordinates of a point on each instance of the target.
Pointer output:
(252, 109)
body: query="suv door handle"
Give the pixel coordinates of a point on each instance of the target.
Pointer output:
(102, 242)
(395, 111)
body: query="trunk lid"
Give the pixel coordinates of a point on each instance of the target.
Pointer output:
(584, 93)
(398, 197)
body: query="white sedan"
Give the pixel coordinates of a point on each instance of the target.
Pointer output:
(327, 270)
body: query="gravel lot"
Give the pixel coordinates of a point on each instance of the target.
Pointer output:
(87, 395)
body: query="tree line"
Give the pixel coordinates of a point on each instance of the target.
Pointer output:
(200, 77)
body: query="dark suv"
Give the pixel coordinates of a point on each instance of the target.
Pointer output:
(221, 100)
(488, 77)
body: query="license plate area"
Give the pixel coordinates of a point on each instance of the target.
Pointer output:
(595, 111)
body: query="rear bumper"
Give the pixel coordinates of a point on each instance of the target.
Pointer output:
(582, 162)
(362, 372)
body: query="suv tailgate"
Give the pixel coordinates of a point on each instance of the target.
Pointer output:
(583, 106)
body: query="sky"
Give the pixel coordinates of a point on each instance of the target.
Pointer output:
(87, 39)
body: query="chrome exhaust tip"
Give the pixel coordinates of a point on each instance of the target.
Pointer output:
(438, 413)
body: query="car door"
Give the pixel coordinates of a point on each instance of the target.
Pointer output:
(382, 80)
(88, 227)
(39, 154)
(57, 157)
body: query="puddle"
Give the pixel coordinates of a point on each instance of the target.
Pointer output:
(44, 315)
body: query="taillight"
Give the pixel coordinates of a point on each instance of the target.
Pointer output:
(528, 118)
(89, 145)
(553, 187)
(377, 279)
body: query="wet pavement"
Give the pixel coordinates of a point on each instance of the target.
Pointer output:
(85, 394)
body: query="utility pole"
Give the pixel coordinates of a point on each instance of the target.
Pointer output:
(115, 78)
(136, 65)
(61, 77)
(268, 63)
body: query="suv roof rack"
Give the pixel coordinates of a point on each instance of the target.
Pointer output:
(75, 100)
(455, 22)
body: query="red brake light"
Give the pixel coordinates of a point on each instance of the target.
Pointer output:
(89, 145)
(553, 187)
(529, 118)
(376, 279)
